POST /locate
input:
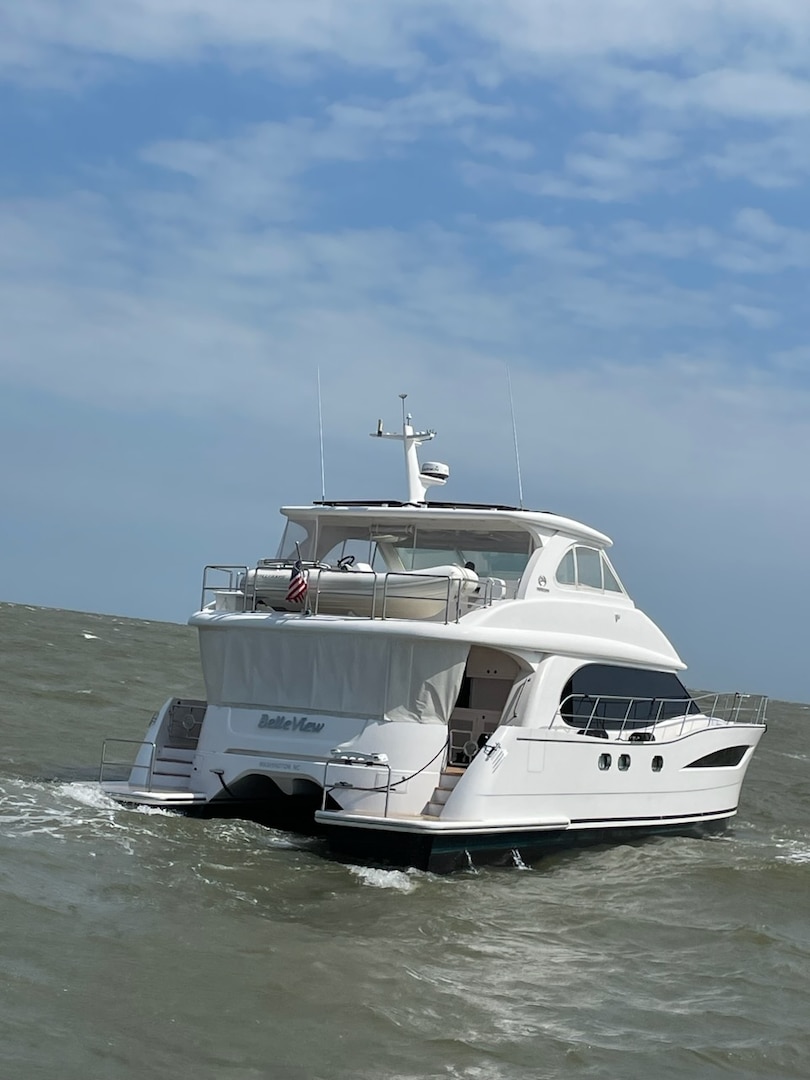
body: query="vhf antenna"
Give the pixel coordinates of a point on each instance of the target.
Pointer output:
(320, 434)
(514, 435)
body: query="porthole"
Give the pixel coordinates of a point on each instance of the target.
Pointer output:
(605, 761)
(624, 762)
(657, 763)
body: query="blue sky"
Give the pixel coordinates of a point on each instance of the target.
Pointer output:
(202, 203)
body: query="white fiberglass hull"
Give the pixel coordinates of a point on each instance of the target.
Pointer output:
(528, 791)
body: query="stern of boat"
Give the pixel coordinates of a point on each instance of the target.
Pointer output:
(160, 769)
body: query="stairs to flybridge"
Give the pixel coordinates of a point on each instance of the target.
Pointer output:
(447, 782)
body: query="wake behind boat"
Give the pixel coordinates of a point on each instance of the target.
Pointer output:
(431, 684)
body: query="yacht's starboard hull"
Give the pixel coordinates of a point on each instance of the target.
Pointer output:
(448, 852)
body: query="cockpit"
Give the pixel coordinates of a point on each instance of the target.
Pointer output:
(497, 549)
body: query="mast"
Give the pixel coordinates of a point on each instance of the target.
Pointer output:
(418, 479)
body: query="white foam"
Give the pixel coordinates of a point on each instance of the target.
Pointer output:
(385, 879)
(88, 795)
(29, 808)
(91, 637)
(158, 811)
(795, 851)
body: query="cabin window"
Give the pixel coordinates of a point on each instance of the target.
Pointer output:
(589, 568)
(611, 697)
(657, 763)
(611, 581)
(624, 762)
(567, 571)
(605, 761)
(726, 758)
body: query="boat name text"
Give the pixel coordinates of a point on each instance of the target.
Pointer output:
(279, 722)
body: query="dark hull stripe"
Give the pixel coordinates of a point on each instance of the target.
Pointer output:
(654, 817)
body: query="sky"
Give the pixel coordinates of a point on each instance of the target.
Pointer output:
(203, 204)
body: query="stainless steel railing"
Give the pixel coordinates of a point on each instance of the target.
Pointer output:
(238, 588)
(131, 763)
(635, 715)
(357, 761)
(233, 581)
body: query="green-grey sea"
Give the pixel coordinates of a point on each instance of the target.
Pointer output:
(142, 944)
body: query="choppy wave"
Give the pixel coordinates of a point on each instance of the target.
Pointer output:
(402, 881)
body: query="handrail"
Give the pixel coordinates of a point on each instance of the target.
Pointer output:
(359, 761)
(238, 583)
(131, 765)
(243, 590)
(605, 710)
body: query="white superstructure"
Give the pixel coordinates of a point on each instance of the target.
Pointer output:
(454, 682)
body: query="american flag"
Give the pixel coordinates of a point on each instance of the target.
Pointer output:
(298, 583)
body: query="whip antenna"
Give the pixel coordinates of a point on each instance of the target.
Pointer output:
(514, 435)
(320, 437)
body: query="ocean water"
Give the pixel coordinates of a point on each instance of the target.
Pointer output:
(146, 944)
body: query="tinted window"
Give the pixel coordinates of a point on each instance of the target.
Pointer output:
(608, 696)
(611, 581)
(731, 755)
(566, 574)
(589, 567)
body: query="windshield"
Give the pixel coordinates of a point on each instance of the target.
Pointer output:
(490, 554)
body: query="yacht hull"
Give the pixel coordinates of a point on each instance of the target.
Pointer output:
(444, 853)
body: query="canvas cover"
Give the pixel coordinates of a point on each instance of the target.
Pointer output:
(341, 674)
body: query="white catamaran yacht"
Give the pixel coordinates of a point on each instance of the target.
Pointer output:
(439, 684)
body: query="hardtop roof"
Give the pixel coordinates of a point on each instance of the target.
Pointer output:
(471, 515)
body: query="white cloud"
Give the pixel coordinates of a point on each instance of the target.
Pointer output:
(556, 244)
(394, 35)
(758, 318)
(599, 166)
(631, 238)
(754, 94)
(793, 361)
(633, 28)
(503, 146)
(754, 243)
(257, 172)
(780, 161)
(42, 34)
